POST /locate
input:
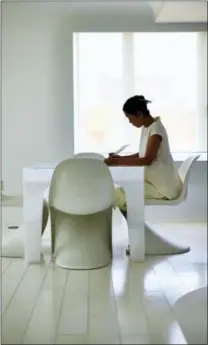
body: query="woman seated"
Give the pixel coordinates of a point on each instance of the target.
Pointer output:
(161, 178)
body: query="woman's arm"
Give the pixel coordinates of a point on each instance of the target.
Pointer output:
(134, 155)
(124, 161)
(150, 155)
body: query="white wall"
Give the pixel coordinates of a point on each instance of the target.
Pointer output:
(37, 90)
(37, 86)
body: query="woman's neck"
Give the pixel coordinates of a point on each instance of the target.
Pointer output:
(148, 121)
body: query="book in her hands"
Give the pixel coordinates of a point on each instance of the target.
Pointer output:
(123, 147)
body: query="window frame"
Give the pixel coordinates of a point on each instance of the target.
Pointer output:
(129, 85)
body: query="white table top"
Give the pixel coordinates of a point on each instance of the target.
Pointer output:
(45, 170)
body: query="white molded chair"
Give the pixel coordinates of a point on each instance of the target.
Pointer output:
(94, 155)
(191, 313)
(184, 174)
(81, 197)
(156, 245)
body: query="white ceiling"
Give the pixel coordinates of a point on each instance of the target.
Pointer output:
(110, 7)
(183, 11)
(160, 11)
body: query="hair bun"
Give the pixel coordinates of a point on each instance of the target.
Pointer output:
(142, 99)
(136, 104)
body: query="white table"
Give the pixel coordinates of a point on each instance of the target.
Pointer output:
(37, 178)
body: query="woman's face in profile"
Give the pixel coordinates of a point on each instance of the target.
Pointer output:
(135, 120)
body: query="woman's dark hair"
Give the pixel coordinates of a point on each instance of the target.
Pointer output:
(136, 104)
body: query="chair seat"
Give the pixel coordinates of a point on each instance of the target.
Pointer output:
(163, 202)
(183, 173)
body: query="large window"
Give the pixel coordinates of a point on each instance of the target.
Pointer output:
(167, 68)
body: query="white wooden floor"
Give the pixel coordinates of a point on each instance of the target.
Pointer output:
(127, 303)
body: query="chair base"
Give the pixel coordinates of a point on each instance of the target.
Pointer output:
(81, 268)
(82, 242)
(157, 245)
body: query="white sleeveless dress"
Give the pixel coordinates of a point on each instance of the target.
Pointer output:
(161, 178)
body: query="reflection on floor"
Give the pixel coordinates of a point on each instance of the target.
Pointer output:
(127, 303)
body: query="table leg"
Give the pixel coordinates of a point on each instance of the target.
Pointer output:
(135, 219)
(32, 218)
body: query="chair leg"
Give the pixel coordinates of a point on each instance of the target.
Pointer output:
(82, 241)
(157, 245)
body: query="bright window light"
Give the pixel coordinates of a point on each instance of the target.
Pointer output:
(167, 68)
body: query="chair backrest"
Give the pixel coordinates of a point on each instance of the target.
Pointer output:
(90, 155)
(184, 173)
(81, 186)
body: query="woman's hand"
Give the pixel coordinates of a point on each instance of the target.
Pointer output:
(111, 161)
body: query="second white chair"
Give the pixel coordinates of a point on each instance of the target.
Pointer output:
(93, 155)
(81, 197)
(155, 244)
